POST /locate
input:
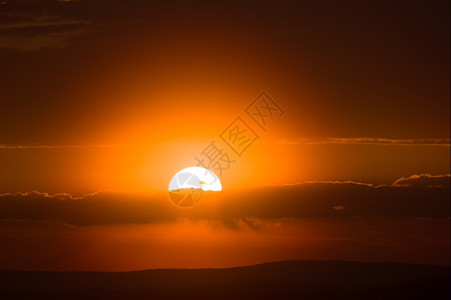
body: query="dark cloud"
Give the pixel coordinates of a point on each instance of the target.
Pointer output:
(32, 25)
(344, 199)
(424, 180)
(308, 200)
(93, 209)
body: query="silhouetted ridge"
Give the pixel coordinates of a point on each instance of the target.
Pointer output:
(264, 281)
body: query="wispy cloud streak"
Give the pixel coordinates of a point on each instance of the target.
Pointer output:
(443, 142)
(54, 146)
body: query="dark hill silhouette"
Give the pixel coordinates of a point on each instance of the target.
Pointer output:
(279, 280)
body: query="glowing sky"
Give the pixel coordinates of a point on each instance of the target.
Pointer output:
(119, 96)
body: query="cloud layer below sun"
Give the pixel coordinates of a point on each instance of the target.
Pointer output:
(421, 196)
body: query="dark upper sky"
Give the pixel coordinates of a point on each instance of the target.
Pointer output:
(74, 71)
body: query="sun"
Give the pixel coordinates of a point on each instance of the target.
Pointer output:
(187, 186)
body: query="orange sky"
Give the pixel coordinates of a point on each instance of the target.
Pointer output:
(100, 96)
(149, 167)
